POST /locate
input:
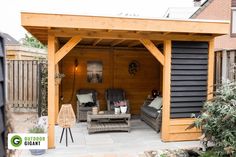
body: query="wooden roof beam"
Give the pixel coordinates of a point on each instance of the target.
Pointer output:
(123, 24)
(66, 48)
(117, 42)
(153, 49)
(96, 42)
(126, 35)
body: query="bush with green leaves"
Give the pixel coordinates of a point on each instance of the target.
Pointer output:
(43, 107)
(218, 120)
(37, 130)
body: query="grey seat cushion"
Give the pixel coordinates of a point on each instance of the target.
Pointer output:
(85, 108)
(152, 112)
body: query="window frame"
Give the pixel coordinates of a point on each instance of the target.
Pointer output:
(233, 34)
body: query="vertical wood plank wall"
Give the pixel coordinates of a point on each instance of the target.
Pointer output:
(225, 66)
(23, 81)
(115, 74)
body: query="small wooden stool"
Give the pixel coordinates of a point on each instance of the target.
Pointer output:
(66, 119)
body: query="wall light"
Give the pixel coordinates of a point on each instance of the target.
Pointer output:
(76, 64)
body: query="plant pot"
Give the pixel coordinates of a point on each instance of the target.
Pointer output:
(117, 110)
(123, 109)
(37, 151)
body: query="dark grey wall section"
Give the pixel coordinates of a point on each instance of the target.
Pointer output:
(188, 78)
(2, 99)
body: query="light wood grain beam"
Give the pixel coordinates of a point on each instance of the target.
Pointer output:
(127, 35)
(153, 49)
(117, 23)
(66, 48)
(210, 80)
(165, 129)
(51, 90)
(117, 42)
(96, 42)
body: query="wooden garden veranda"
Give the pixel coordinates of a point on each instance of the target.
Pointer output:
(63, 32)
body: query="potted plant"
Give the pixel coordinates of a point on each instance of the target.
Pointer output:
(117, 108)
(123, 106)
(37, 130)
(58, 77)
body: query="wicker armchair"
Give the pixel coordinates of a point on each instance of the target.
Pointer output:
(82, 110)
(151, 116)
(113, 95)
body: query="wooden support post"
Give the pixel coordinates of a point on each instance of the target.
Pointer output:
(224, 66)
(153, 49)
(166, 91)
(51, 90)
(210, 81)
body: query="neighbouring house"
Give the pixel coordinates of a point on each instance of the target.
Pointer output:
(174, 57)
(225, 46)
(16, 51)
(183, 12)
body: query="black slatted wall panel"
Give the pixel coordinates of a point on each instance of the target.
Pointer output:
(2, 99)
(188, 78)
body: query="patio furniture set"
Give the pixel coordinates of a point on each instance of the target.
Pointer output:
(109, 120)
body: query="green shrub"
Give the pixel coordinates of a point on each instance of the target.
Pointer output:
(36, 130)
(208, 154)
(218, 120)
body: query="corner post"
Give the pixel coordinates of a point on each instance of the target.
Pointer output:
(51, 90)
(210, 81)
(166, 91)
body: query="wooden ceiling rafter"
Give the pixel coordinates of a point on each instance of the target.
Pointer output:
(133, 44)
(96, 41)
(117, 42)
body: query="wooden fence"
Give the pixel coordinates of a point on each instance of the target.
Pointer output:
(225, 66)
(23, 84)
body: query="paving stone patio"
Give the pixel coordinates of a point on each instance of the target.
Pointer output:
(111, 144)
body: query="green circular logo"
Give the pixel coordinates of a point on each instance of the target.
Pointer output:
(16, 141)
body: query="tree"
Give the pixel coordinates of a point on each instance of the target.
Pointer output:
(32, 42)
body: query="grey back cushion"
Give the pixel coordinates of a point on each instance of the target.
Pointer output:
(86, 91)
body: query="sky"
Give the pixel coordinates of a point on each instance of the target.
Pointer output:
(10, 10)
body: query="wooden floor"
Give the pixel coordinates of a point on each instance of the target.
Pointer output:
(111, 144)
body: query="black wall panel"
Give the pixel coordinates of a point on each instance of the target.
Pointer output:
(2, 99)
(189, 67)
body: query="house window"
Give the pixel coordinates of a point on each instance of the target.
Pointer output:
(233, 23)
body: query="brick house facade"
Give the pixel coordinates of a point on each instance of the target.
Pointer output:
(217, 10)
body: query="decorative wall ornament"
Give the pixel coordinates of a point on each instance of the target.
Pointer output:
(133, 67)
(94, 71)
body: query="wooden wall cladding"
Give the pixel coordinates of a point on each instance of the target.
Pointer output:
(188, 78)
(115, 74)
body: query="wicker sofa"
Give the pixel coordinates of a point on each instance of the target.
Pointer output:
(151, 116)
(82, 110)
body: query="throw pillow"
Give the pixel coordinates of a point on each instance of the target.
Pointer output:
(84, 98)
(156, 103)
